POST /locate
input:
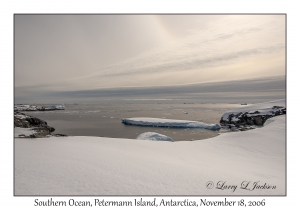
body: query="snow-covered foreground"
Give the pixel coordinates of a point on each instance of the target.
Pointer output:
(106, 166)
(158, 122)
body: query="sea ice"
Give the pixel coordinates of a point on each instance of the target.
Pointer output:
(159, 122)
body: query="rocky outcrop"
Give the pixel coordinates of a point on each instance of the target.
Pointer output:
(25, 107)
(40, 127)
(248, 120)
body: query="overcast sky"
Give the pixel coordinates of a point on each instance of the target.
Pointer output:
(83, 52)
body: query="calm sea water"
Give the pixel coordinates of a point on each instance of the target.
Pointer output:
(105, 119)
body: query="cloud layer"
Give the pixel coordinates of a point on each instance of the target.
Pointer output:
(222, 48)
(229, 48)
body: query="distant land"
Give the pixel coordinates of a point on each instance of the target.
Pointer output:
(236, 91)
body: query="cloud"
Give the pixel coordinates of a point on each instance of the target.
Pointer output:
(229, 47)
(218, 45)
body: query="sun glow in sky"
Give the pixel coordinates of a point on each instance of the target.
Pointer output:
(83, 52)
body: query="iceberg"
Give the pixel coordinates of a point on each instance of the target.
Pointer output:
(154, 137)
(59, 107)
(158, 122)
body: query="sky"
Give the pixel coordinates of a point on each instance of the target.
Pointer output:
(61, 53)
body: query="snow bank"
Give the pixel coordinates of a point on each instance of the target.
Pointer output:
(158, 122)
(25, 131)
(153, 136)
(106, 166)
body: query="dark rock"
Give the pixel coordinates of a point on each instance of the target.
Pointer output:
(258, 120)
(41, 128)
(277, 107)
(59, 135)
(33, 121)
(26, 121)
(256, 117)
(233, 129)
(21, 123)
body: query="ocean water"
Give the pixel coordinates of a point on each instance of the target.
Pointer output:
(105, 119)
(99, 112)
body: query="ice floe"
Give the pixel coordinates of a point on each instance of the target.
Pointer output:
(159, 122)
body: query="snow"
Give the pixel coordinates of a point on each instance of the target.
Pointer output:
(153, 136)
(26, 131)
(21, 116)
(159, 122)
(263, 108)
(234, 119)
(108, 166)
